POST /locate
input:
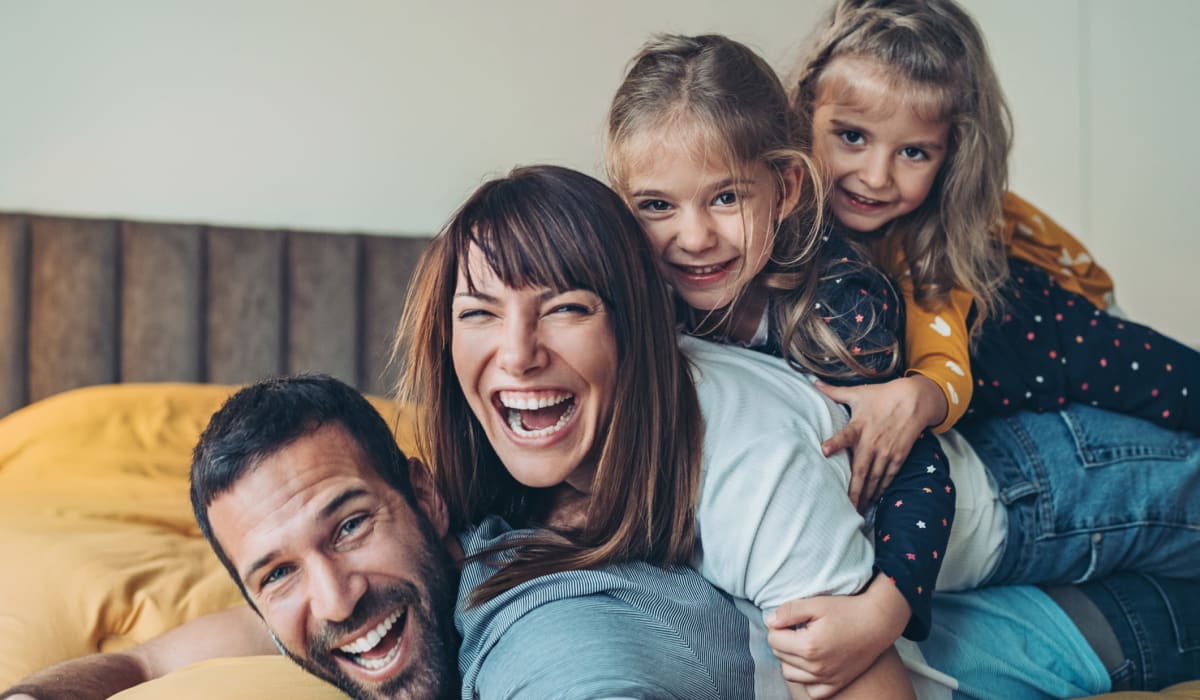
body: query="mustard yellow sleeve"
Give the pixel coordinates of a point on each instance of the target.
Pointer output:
(937, 346)
(1036, 238)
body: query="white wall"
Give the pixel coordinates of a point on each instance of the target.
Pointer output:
(382, 116)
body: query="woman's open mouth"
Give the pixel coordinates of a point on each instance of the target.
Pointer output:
(536, 414)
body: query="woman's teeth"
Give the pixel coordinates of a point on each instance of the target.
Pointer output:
(518, 408)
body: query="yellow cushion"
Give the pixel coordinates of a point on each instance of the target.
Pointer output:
(251, 678)
(1183, 691)
(96, 529)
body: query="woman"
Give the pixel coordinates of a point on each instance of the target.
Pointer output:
(542, 344)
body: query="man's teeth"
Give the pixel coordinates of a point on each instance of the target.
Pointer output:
(532, 403)
(369, 640)
(376, 664)
(514, 422)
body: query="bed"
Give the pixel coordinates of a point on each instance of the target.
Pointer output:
(121, 339)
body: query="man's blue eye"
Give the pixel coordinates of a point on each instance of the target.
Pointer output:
(276, 574)
(352, 525)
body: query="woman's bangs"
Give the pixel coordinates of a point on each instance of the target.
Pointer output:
(534, 244)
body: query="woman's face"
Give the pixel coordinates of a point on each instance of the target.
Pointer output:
(538, 370)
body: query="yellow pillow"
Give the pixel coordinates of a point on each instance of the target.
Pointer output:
(100, 547)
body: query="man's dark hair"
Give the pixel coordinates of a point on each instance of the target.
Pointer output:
(263, 418)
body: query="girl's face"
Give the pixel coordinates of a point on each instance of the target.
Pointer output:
(879, 153)
(711, 226)
(538, 370)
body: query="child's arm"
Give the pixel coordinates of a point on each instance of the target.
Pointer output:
(886, 677)
(828, 641)
(937, 344)
(842, 634)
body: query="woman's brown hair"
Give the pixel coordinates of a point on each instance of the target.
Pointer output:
(551, 227)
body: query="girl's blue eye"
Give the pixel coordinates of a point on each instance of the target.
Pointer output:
(654, 205)
(913, 153)
(854, 138)
(725, 199)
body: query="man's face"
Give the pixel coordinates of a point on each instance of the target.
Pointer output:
(353, 582)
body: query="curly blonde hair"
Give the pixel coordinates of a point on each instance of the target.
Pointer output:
(933, 54)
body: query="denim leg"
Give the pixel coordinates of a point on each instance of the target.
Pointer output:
(1157, 622)
(1089, 493)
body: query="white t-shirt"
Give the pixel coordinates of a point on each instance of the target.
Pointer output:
(774, 519)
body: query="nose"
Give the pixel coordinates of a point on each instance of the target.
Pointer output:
(521, 350)
(876, 171)
(696, 232)
(333, 593)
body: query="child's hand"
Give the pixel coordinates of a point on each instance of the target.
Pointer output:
(885, 421)
(826, 642)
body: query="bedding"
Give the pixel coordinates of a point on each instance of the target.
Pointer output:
(100, 547)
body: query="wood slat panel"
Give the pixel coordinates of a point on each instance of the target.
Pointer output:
(388, 266)
(73, 314)
(161, 304)
(244, 314)
(14, 305)
(323, 316)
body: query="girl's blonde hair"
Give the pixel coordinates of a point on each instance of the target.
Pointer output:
(723, 99)
(551, 227)
(936, 59)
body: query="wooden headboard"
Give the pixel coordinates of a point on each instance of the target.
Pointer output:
(88, 301)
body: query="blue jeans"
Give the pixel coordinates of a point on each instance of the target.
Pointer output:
(1157, 622)
(1089, 493)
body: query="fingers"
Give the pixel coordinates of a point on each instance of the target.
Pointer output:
(889, 475)
(792, 614)
(844, 439)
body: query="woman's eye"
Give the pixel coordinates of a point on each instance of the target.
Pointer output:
(467, 314)
(657, 205)
(725, 199)
(913, 153)
(854, 138)
(571, 309)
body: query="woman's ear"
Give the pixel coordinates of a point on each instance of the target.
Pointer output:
(791, 178)
(429, 500)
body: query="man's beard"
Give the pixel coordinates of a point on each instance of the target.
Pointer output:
(432, 671)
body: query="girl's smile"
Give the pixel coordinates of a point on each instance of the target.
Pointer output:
(881, 157)
(711, 225)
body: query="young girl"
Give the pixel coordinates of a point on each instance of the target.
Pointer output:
(906, 117)
(701, 145)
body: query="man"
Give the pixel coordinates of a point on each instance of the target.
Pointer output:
(340, 546)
